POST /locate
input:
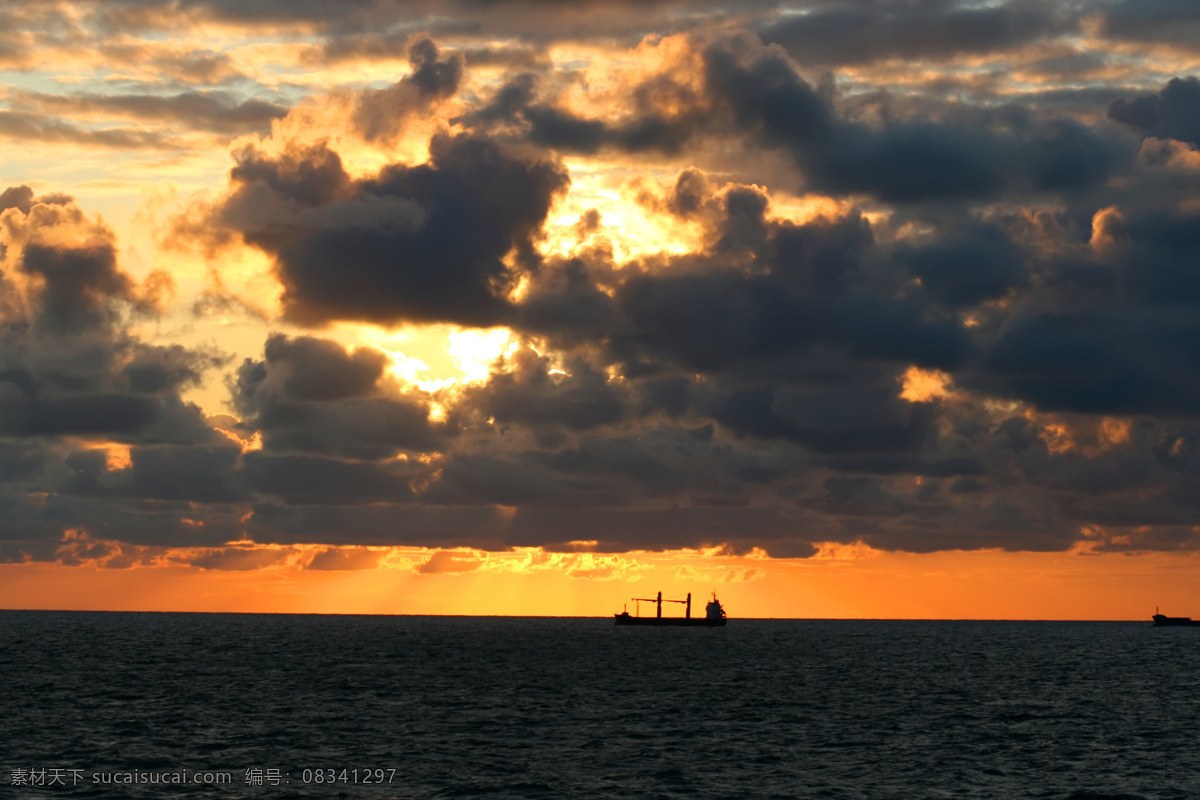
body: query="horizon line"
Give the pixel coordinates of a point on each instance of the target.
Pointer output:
(547, 616)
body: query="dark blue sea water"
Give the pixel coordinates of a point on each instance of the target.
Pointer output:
(439, 707)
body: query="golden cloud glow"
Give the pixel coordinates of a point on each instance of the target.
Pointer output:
(473, 351)
(922, 385)
(836, 551)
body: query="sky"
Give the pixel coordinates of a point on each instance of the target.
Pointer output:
(841, 308)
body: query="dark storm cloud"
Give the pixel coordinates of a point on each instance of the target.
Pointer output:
(38, 512)
(411, 244)
(93, 414)
(1111, 331)
(318, 369)
(378, 524)
(187, 474)
(551, 127)
(968, 266)
(753, 392)
(520, 482)
(754, 90)
(860, 31)
(829, 421)
(529, 395)
(367, 428)
(1147, 479)
(565, 298)
(1073, 363)
(904, 161)
(76, 285)
(312, 176)
(153, 369)
(67, 364)
(884, 463)
(815, 295)
(20, 461)
(1083, 330)
(73, 377)
(297, 479)
(783, 531)
(1172, 113)
(507, 102)
(71, 373)
(607, 470)
(1151, 21)
(1155, 254)
(214, 111)
(311, 396)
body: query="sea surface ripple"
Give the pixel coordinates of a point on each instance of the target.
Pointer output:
(453, 707)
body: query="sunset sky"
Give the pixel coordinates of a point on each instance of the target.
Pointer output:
(841, 308)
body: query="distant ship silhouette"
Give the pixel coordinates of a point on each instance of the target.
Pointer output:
(714, 615)
(1161, 620)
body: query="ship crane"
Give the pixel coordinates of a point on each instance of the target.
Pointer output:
(714, 614)
(658, 601)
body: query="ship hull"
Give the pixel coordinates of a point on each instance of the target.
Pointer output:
(669, 622)
(1162, 621)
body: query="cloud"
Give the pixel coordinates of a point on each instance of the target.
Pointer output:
(345, 558)
(70, 365)
(190, 474)
(311, 396)
(708, 88)
(27, 126)
(303, 479)
(410, 244)
(530, 20)
(219, 112)
(810, 293)
(317, 369)
(239, 558)
(903, 161)
(1172, 113)
(76, 384)
(451, 562)
(1152, 21)
(381, 113)
(18, 197)
(743, 575)
(532, 394)
(859, 32)
(997, 265)
(772, 226)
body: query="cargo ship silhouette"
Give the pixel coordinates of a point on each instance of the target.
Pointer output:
(714, 615)
(1161, 620)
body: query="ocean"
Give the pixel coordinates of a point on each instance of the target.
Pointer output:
(149, 705)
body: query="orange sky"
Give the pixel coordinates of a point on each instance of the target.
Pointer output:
(845, 583)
